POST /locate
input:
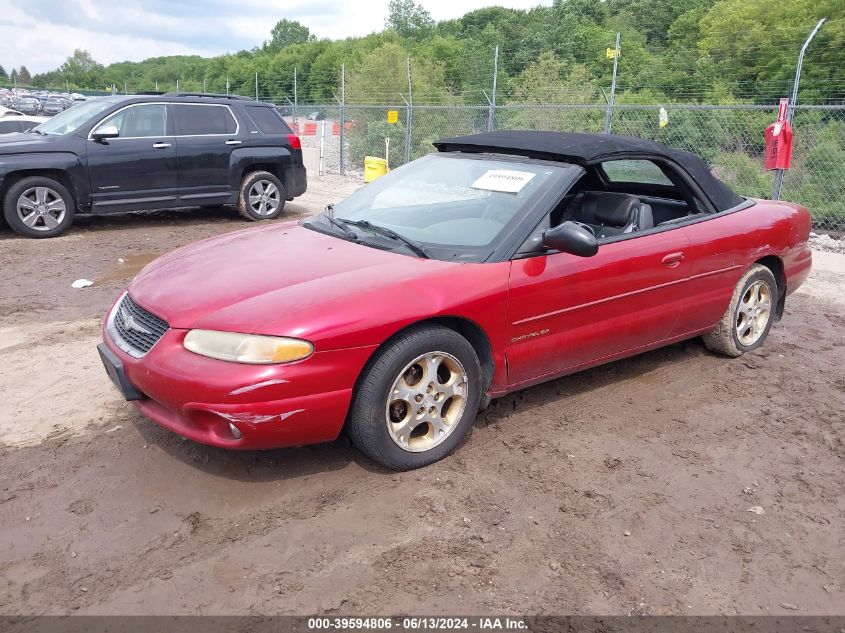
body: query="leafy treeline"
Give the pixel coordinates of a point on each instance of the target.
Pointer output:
(672, 51)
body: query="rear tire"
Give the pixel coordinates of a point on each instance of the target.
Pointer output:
(262, 196)
(749, 317)
(38, 207)
(416, 399)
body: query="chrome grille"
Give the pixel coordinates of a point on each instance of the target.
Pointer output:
(135, 329)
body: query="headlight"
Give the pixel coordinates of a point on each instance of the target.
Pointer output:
(246, 348)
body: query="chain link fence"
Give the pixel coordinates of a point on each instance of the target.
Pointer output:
(730, 138)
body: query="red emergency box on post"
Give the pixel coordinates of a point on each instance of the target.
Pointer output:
(779, 140)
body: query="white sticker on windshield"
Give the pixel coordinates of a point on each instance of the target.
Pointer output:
(503, 180)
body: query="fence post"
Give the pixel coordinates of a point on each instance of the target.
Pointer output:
(342, 115)
(491, 103)
(295, 102)
(608, 115)
(256, 85)
(791, 109)
(409, 119)
(227, 85)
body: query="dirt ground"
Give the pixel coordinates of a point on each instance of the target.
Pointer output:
(625, 489)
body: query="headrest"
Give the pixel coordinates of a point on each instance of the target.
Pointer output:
(610, 209)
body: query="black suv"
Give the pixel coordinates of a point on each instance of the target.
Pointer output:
(117, 154)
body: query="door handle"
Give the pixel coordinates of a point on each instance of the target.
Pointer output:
(161, 145)
(673, 259)
(233, 142)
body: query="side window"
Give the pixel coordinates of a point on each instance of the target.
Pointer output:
(268, 120)
(139, 121)
(643, 171)
(195, 120)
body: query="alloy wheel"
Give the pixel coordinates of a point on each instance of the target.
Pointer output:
(41, 208)
(426, 401)
(753, 312)
(264, 198)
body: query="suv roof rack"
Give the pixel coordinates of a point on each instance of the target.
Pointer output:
(209, 95)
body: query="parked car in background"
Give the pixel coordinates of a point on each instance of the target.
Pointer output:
(19, 122)
(28, 105)
(316, 116)
(54, 105)
(505, 260)
(117, 154)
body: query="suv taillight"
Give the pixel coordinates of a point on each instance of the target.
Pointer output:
(293, 139)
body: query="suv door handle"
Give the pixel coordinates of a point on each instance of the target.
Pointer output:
(673, 259)
(161, 145)
(233, 142)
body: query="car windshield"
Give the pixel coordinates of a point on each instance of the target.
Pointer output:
(451, 201)
(71, 120)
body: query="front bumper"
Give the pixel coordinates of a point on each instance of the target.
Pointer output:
(240, 406)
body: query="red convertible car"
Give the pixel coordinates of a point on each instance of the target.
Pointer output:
(500, 261)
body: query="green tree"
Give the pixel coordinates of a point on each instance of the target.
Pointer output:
(3, 75)
(13, 76)
(286, 33)
(24, 77)
(408, 19)
(81, 70)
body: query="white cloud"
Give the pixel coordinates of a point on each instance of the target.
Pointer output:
(40, 34)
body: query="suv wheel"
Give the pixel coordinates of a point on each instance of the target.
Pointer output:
(38, 207)
(262, 196)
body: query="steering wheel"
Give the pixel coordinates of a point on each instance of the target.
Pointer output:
(585, 226)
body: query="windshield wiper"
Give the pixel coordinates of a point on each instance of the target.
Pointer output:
(341, 224)
(383, 230)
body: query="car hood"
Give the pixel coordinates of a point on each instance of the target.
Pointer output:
(288, 280)
(21, 143)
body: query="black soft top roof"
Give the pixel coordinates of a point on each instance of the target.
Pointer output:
(589, 149)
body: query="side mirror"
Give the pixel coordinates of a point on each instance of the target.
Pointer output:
(572, 238)
(105, 131)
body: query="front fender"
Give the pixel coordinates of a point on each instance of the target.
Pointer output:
(67, 164)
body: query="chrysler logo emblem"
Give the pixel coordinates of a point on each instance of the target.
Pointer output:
(129, 322)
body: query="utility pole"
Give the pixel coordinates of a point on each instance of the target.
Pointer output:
(295, 101)
(342, 115)
(791, 110)
(409, 118)
(608, 115)
(491, 106)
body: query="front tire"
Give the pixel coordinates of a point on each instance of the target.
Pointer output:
(750, 315)
(38, 207)
(262, 196)
(417, 398)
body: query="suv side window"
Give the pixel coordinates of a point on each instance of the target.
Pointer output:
(197, 120)
(642, 171)
(139, 121)
(268, 120)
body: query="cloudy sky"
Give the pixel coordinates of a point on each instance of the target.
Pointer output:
(40, 34)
